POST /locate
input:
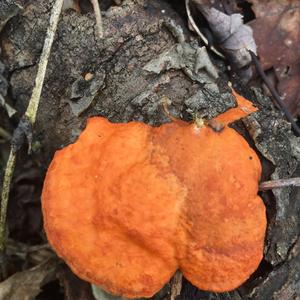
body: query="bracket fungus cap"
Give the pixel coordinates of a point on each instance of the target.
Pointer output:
(127, 205)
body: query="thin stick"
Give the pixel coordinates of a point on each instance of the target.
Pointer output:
(32, 108)
(166, 102)
(197, 30)
(10, 166)
(30, 114)
(280, 183)
(176, 285)
(274, 92)
(97, 12)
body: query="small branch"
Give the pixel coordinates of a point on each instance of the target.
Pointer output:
(176, 285)
(274, 93)
(166, 102)
(24, 129)
(197, 30)
(280, 183)
(97, 12)
(40, 76)
(10, 166)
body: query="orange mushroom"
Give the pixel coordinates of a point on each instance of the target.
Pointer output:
(129, 204)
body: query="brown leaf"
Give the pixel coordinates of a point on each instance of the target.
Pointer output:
(277, 35)
(289, 86)
(26, 285)
(232, 36)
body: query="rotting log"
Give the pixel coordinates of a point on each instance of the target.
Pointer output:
(87, 76)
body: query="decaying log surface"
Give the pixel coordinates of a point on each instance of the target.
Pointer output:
(140, 60)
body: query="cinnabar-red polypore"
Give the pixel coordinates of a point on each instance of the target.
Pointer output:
(129, 204)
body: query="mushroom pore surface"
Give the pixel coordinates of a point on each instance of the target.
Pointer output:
(127, 205)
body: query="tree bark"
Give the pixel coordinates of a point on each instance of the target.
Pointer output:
(120, 77)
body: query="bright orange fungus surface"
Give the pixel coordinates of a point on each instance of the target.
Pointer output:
(129, 204)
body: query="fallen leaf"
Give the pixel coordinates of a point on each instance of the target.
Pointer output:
(289, 87)
(27, 285)
(231, 34)
(277, 34)
(30, 255)
(83, 92)
(234, 37)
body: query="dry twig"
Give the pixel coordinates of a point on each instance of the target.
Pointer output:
(176, 285)
(10, 166)
(197, 30)
(97, 12)
(279, 183)
(26, 123)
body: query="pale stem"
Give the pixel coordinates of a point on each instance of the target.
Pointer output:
(30, 113)
(280, 183)
(97, 12)
(42, 67)
(9, 170)
(197, 30)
